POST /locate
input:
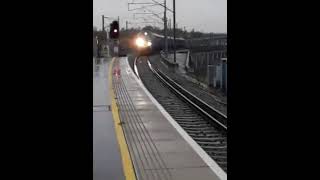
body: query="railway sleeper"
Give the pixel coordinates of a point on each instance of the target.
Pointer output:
(212, 139)
(210, 143)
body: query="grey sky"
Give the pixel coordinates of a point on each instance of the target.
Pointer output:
(202, 15)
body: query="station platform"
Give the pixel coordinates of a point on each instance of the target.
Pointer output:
(107, 162)
(158, 148)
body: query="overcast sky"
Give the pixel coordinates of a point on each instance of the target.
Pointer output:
(202, 15)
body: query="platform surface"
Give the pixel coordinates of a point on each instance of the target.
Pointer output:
(158, 151)
(106, 156)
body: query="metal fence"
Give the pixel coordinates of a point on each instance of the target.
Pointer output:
(207, 60)
(210, 68)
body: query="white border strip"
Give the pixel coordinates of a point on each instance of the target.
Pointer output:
(135, 67)
(204, 156)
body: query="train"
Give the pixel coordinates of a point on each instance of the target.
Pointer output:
(143, 44)
(158, 42)
(147, 43)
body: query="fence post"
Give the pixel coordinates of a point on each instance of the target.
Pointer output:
(224, 74)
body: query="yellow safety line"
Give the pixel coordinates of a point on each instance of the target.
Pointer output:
(125, 156)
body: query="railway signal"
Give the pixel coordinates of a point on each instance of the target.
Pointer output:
(114, 30)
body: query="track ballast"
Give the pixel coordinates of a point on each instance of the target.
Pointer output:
(209, 134)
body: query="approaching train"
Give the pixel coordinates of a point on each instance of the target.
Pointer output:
(147, 43)
(158, 42)
(143, 44)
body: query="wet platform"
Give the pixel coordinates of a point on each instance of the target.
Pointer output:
(106, 155)
(158, 147)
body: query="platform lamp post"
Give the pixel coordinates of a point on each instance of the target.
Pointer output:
(105, 17)
(165, 29)
(174, 31)
(107, 34)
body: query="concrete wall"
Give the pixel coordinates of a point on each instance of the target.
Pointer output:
(224, 74)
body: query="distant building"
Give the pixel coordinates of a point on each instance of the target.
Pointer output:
(220, 39)
(209, 42)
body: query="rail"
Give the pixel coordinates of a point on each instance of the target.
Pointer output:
(211, 113)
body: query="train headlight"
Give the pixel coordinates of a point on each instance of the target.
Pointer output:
(140, 42)
(149, 43)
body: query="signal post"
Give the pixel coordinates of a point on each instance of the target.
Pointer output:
(114, 36)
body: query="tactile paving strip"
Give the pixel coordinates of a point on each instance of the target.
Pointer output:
(147, 161)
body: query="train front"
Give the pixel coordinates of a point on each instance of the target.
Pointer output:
(143, 44)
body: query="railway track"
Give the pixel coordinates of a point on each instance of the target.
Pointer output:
(214, 99)
(205, 125)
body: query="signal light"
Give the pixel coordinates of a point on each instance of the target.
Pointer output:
(114, 30)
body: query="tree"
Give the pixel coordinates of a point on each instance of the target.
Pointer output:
(148, 28)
